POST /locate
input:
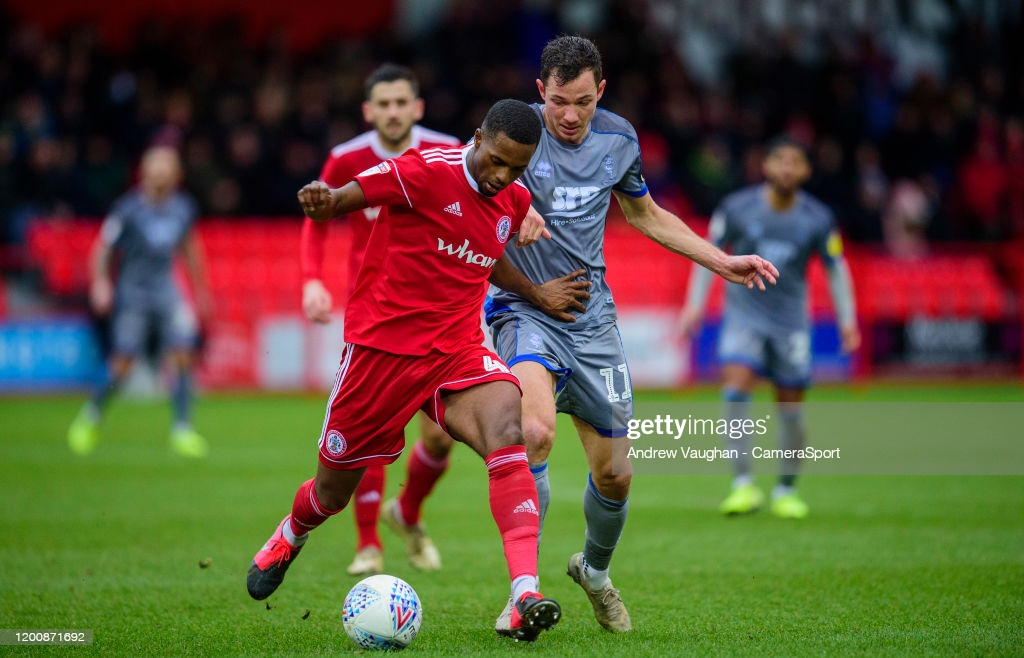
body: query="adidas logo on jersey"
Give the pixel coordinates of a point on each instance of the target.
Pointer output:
(454, 209)
(526, 506)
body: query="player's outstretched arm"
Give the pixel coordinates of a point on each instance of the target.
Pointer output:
(320, 202)
(195, 263)
(558, 298)
(840, 285)
(672, 233)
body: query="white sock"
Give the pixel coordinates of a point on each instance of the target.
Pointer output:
(596, 578)
(293, 539)
(781, 490)
(522, 585)
(742, 481)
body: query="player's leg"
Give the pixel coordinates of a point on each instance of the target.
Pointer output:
(369, 558)
(486, 417)
(791, 356)
(315, 501)
(792, 436)
(427, 462)
(605, 507)
(532, 349)
(538, 424)
(129, 328)
(599, 398)
(373, 398)
(184, 439)
(741, 351)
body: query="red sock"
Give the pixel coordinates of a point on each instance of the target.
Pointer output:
(514, 507)
(368, 496)
(307, 512)
(422, 473)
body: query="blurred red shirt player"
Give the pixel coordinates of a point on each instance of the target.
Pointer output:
(392, 107)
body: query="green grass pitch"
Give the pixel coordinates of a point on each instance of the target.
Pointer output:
(885, 565)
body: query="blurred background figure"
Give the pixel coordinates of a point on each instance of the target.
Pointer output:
(132, 281)
(769, 335)
(905, 222)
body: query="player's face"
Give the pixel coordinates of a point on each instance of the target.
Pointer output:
(569, 108)
(786, 168)
(161, 170)
(393, 109)
(496, 162)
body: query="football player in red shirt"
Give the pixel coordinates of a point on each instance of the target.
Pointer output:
(393, 107)
(413, 341)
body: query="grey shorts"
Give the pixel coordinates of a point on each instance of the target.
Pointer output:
(175, 325)
(593, 379)
(782, 356)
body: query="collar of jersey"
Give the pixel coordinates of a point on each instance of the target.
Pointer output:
(465, 169)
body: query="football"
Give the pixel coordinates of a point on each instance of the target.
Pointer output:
(382, 612)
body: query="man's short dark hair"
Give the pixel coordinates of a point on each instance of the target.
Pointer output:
(516, 119)
(786, 141)
(389, 72)
(567, 56)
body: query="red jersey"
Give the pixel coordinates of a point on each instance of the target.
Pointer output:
(425, 269)
(345, 162)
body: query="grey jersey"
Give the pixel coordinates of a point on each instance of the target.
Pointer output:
(145, 237)
(572, 186)
(745, 223)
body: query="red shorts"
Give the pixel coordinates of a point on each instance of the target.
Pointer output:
(377, 393)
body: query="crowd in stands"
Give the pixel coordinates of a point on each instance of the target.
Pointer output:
(916, 130)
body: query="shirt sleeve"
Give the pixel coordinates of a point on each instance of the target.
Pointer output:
(632, 182)
(113, 224)
(395, 182)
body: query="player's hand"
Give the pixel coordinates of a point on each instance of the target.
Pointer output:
(558, 297)
(316, 301)
(849, 336)
(101, 296)
(749, 271)
(316, 202)
(532, 229)
(690, 322)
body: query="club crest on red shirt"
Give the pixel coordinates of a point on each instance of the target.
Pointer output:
(503, 228)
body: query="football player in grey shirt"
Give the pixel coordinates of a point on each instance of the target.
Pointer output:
(769, 334)
(145, 229)
(585, 156)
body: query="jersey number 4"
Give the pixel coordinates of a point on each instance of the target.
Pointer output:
(490, 365)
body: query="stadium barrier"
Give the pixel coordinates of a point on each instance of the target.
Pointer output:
(949, 312)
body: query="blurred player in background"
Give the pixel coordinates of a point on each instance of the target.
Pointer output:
(392, 107)
(144, 230)
(769, 335)
(585, 155)
(413, 341)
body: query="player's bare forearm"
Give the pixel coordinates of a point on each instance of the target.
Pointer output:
(320, 202)
(557, 298)
(671, 232)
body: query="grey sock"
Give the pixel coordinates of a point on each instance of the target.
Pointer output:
(540, 478)
(605, 520)
(736, 408)
(791, 437)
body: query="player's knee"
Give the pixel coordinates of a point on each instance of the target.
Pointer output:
(508, 433)
(331, 495)
(539, 436)
(612, 484)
